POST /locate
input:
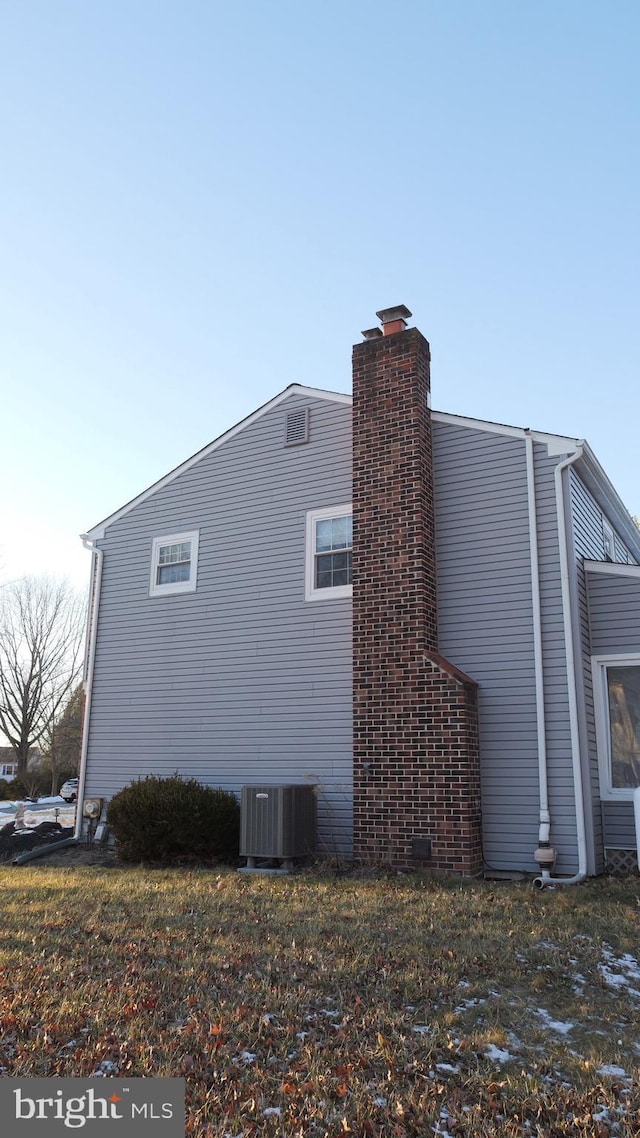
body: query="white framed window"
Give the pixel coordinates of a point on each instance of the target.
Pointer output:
(608, 542)
(174, 564)
(329, 547)
(616, 691)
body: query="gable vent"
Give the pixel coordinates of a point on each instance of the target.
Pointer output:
(297, 428)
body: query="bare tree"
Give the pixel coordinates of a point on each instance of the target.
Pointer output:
(63, 740)
(41, 623)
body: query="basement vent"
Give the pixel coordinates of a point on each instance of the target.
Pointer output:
(297, 429)
(277, 821)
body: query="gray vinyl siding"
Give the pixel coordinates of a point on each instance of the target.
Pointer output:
(242, 681)
(614, 614)
(588, 536)
(485, 627)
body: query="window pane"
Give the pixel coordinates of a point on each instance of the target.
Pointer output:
(323, 535)
(171, 574)
(333, 569)
(623, 686)
(323, 578)
(338, 533)
(171, 554)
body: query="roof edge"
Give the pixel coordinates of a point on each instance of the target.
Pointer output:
(98, 531)
(612, 568)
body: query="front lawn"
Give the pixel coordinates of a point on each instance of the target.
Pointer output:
(391, 1008)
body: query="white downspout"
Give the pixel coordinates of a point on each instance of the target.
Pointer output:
(544, 855)
(571, 681)
(94, 604)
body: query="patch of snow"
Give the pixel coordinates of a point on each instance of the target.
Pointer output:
(379, 1101)
(628, 963)
(302, 1034)
(106, 1069)
(449, 1067)
(553, 1024)
(272, 1110)
(248, 1056)
(626, 968)
(496, 1054)
(474, 1002)
(613, 1070)
(420, 1028)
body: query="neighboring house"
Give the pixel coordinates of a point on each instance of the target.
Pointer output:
(8, 770)
(459, 673)
(9, 763)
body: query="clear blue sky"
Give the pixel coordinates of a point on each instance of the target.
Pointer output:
(202, 202)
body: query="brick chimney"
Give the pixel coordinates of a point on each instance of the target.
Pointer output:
(416, 765)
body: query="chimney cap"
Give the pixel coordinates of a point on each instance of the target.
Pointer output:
(371, 333)
(399, 312)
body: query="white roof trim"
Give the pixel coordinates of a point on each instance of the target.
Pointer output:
(591, 472)
(556, 444)
(98, 531)
(617, 568)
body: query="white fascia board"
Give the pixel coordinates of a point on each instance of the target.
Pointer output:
(477, 424)
(612, 568)
(98, 531)
(314, 393)
(555, 444)
(587, 465)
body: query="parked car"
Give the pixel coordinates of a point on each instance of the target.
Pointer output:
(69, 790)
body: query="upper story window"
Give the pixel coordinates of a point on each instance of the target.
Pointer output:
(608, 541)
(616, 685)
(329, 550)
(174, 564)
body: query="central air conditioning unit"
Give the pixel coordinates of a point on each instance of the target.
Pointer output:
(277, 822)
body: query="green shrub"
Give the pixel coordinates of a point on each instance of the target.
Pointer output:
(15, 790)
(174, 820)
